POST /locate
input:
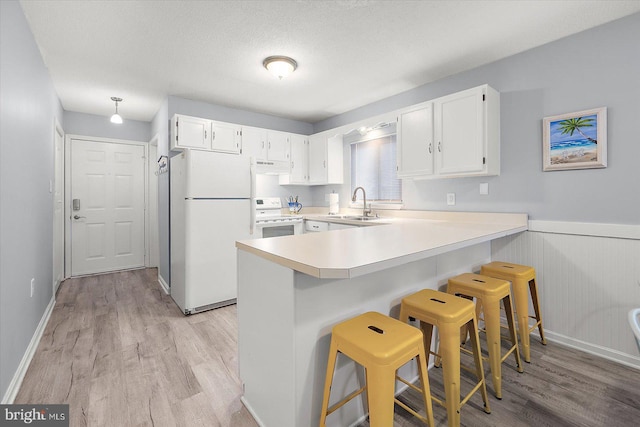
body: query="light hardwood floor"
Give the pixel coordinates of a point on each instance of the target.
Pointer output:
(120, 353)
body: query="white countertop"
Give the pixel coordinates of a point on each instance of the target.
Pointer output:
(395, 241)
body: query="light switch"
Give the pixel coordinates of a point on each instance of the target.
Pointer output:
(484, 188)
(451, 199)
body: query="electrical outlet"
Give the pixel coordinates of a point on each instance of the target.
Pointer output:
(451, 199)
(33, 282)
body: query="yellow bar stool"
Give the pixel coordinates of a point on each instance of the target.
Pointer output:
(448, 313)
(520, 276)
(382, 345)
(488, 292)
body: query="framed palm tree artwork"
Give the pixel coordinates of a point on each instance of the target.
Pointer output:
(575, 140)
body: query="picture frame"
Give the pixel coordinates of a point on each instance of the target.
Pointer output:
(575, 140)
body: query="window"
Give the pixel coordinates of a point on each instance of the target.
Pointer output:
(373, 167)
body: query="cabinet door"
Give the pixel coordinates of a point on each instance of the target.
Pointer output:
(325, 160)
(299, 171)
(459, 130)
(254, 142)
(190, 132)
(225, 137)
(317, 160)
(415, 142)
(277, 146)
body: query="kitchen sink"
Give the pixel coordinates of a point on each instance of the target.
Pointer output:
(354, 217)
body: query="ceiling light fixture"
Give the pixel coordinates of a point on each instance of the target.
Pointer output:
(280, 66)
(116, 118)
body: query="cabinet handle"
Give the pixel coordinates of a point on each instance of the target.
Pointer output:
(439, 146)
(262, 144)
(213, 135)
(269, 145)
(292, 164)
(324, 164)
(430, 148)
(205, 134)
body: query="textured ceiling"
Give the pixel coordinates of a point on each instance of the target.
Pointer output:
(350, 52)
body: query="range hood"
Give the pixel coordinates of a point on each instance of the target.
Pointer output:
(272, 167)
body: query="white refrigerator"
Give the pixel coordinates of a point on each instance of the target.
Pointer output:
(211, 208)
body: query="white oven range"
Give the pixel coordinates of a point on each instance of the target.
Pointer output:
(271, 222)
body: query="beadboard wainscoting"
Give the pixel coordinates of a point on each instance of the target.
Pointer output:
(587, 282)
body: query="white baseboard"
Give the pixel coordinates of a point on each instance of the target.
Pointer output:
(16, 382)
(164, 284)
(604, 352)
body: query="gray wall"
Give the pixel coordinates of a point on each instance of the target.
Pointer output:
(596, 68)
(268, 186)
(28, 106)
(92, 125)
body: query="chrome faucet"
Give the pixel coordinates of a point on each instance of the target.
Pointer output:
(365, 211)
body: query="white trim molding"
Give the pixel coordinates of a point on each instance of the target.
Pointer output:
(16, 381)
(163, 283)
(620, 231)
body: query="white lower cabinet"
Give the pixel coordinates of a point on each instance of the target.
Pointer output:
(311, 226)
(460, 138)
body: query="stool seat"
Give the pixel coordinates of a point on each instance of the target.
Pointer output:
(382, 345)
(436, 307)
(448, 313)
(489, 292)
(375, 337)
(509, 270)
(523, 278)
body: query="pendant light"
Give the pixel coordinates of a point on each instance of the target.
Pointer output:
(116, 118)
(280, 66)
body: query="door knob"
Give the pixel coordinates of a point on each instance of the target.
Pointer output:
(78, 217)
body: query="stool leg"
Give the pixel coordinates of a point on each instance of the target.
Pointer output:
(331, 364)
(477, 356)
(533, 288)
(450, 352)
(427, 333)
(491, 310)
(508, 308)
(522, 312)
(381, 381)
(426, 389)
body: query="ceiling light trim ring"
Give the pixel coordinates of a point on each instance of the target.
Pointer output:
(280, 65)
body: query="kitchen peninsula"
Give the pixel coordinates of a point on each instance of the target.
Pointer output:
(292, 290)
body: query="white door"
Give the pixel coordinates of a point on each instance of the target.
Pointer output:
(107, 209)
(58, 208)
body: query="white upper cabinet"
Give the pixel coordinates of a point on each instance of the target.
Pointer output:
(190, 132)
(415, 148)
(254, 142)
(299, 172)
(325, 160)
(454, 136)
(225, 137)
(203, 134)
(467, 133)
(277, 145)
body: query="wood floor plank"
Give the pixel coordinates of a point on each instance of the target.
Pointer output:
(119, 351)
